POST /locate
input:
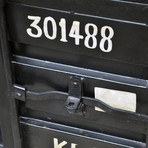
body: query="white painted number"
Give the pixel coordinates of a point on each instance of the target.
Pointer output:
(75, 32)
(91, 30)
(54, 28)
(62, 24)
(106, 38)
(89, 36)
(36, 20)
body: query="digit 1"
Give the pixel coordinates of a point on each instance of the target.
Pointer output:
(62, 24)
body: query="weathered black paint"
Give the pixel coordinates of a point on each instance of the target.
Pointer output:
(124, 54)
(35, 75)
(125, 31)
(83, 138)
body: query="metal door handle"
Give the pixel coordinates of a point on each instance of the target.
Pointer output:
(86, 101)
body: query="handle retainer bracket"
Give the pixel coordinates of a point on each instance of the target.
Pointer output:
(73, 103)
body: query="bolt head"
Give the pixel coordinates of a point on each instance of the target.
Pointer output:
(19, 94)
(75, 84)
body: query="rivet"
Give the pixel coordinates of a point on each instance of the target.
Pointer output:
(19, 94)
(75, 84)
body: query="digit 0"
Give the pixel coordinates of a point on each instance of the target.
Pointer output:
(54, 28)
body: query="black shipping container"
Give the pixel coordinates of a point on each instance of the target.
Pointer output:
(53, 54)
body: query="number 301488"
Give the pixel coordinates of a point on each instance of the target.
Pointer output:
(74, 32)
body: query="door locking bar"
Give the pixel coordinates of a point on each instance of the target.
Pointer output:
(75, 101)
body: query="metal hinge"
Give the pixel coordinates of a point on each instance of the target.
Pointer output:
(73, 103)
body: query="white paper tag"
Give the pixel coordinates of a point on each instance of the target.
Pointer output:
(117, 99)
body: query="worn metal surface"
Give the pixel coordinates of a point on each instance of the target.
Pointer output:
(8, 116)
(129, 21)
(83, 138)
(109, 51)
